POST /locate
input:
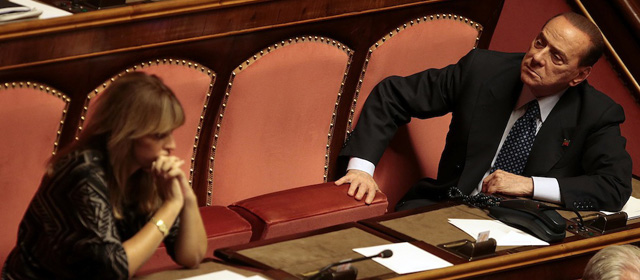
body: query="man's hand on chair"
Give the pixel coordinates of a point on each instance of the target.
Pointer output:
(362, 182)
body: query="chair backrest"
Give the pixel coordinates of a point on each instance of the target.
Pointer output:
(191, 83)
(427, 42)
(31, 120)
(276, 120)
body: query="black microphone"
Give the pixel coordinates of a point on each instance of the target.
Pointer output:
(320, 274)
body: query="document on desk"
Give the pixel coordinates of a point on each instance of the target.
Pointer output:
(406, 258)
(224, 275)
(503, 234)
(632, 207)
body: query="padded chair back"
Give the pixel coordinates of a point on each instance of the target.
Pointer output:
(428, 42)
(276, 121)
(28, 141)
(191, 83)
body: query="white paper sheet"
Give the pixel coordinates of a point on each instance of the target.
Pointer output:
(503, 234)
(406, 258)
(48, 11)
(224, 275)
(632, 207)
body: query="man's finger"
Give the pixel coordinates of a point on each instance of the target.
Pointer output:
(362, 190)
(370, 196)
(352, 189)
(341, 180)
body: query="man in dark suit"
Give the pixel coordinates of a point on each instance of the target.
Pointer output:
(575, 155)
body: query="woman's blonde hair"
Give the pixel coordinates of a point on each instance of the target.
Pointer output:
(133, 106)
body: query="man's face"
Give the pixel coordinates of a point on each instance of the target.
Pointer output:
(552, 62)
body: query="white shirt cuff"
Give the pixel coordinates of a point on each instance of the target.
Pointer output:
(546, 189)
(362, 165)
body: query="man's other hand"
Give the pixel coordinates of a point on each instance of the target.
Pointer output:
(507, 183)
(362, 182)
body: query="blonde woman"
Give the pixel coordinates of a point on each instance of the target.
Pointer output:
(109, 199)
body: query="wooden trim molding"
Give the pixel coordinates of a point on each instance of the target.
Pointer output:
(531, 257)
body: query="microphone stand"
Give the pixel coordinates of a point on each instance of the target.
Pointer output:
(322, 273)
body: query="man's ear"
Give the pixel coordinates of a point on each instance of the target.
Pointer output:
(583, 73)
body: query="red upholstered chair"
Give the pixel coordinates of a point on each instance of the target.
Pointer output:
(28, 141)
(192, 85)
(272, 136)
(428, 42)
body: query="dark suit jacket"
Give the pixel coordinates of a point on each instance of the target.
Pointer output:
(593, 170)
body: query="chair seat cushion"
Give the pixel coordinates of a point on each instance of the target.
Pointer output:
(224, 228)
(305, 208)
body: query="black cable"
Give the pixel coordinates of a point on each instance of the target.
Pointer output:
(482, 200)
(479, 200)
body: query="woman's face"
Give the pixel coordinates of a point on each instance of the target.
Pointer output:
(148, 148)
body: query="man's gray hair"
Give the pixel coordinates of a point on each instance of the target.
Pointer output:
(617, 262)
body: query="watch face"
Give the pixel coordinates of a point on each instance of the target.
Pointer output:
(162, 227)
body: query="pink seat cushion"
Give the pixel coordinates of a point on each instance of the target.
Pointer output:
(29, 122)
(305, 208)
(224, 228)
(277, 122)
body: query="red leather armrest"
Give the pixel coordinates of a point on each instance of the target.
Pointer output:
(305, 208)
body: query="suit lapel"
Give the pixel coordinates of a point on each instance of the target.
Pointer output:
(490, 116)
(555, 135)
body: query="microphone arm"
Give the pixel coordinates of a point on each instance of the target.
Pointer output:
(384, 254)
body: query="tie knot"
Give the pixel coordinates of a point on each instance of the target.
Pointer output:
(533, 110)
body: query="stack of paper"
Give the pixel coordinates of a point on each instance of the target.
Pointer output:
(503, 234)
(406, 258)
(10, 11)
(632, 208)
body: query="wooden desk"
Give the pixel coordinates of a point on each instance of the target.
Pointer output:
(290, 255)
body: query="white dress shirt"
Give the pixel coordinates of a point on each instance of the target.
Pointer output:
(544, 188)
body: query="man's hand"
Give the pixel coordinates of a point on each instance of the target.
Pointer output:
(507, 183)
(361, 181)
